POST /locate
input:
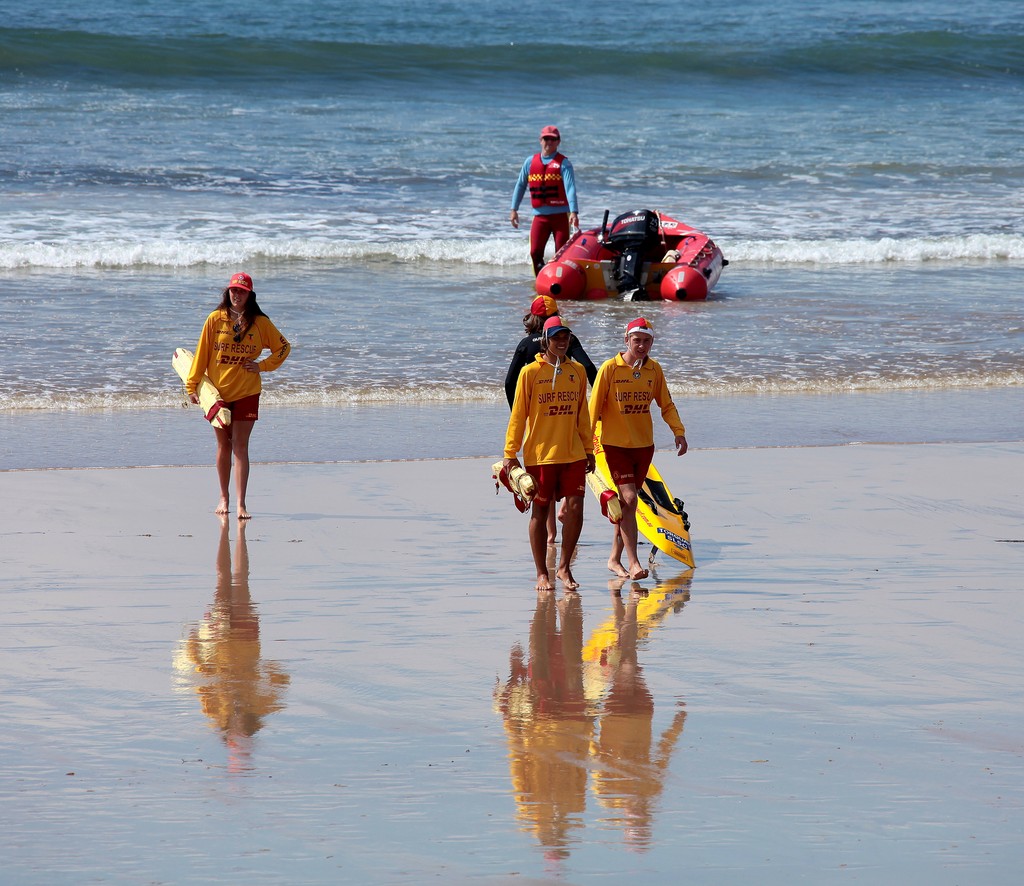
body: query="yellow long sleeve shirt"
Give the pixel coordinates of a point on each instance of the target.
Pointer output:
(621, 401)
(223, 359)
(550, 412)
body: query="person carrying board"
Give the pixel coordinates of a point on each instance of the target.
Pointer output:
(233, 337)
(621, 401)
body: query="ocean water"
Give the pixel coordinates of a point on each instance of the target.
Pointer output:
(859, 164)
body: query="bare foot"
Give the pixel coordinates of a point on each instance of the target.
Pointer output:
(616, 567)
(638, 573)
(243, 514)
(565, 577)
(544, 583)
(222, 507)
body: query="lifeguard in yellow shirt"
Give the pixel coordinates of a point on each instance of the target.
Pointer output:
(233, 337)
(551, 424)
(621, 401)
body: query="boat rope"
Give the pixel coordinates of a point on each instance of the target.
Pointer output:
(661, 230)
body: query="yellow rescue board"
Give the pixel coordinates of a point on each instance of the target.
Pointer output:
(651, 609)
(214, 408)
(659, 516)
(602, 653)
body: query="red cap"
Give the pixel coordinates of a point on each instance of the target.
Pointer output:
(640, 325)
(552, 131)
(553, 326)
(241, 281)
(544, 306)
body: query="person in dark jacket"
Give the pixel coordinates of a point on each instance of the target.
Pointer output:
(543, 307)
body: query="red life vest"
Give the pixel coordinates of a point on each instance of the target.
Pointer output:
(545, 181)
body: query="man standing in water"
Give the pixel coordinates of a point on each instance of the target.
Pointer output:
(621, 401)
(552, 184)
(550, 411)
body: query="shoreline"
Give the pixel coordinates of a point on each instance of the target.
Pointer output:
(304, 435)
(660, 454)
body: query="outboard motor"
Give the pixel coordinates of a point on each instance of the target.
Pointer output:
(631, 235)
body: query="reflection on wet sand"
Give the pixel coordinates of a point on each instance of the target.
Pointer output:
(548, 723)
(220, 657)
(629, 767)
(574, 710)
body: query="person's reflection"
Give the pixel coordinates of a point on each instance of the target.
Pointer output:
(221, 654)
(630, 764)
(548, 724)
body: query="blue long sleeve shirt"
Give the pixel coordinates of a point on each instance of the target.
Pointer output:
(568, 179)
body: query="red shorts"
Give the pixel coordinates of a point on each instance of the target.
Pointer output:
(559, 481)
(629, 465)
(246, 409)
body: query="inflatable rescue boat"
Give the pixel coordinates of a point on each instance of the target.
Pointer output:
(643, 255)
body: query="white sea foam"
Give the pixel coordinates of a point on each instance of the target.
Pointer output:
(121, 252)
(292, 395)
(970, 247)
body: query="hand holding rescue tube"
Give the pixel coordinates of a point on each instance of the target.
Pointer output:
(517, 481)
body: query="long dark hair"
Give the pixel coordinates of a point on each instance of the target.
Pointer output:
(250, 312)
(533, 324)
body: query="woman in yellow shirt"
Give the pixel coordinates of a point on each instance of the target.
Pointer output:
(234, 335)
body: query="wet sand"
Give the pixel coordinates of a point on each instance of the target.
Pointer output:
(362, 686)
